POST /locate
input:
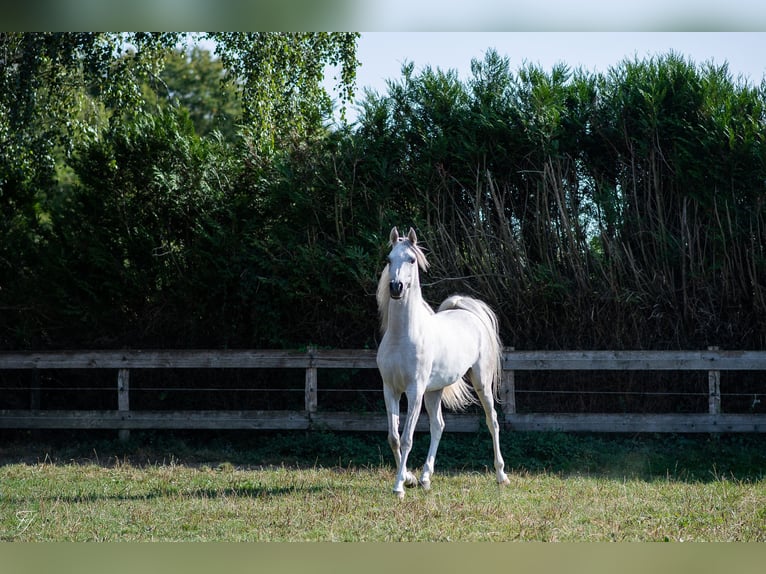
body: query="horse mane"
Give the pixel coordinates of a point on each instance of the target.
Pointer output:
(420, 256)
(383, 294)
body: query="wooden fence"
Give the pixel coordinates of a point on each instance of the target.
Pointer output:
(711, 361)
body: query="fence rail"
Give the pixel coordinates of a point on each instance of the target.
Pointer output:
(712, 361)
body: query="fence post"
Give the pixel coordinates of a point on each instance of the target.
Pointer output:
(311, 382)
(714, 389)
(123, 399)
(508, 389)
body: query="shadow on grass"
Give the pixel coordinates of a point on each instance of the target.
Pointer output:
(244, 491)
(688, 458)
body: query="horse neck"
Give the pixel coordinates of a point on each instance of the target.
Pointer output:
(406, 316)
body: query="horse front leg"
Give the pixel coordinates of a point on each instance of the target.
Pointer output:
(433, 402)
(403, 476)
(392, 411)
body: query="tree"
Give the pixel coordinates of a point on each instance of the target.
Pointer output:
(49, 80)
(280, 77)
(197, 81)
(76, 104)
(55, 90)
(50, 84)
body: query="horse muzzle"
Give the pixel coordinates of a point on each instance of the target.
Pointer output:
(396, 289)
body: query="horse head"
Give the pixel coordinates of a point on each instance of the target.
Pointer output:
(403, 262)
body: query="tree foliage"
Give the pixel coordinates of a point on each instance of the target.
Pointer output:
(281, 74)
(631, 201)
(194, 80)
(121, 178)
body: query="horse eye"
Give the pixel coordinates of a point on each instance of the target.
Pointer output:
(412, 260)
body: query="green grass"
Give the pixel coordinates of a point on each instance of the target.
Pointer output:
(296, 486)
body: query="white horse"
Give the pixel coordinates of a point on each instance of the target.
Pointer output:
(426, 356)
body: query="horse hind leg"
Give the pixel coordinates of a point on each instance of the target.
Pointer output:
(433, 402)
(487, 399)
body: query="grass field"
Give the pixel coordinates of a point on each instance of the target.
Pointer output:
(294, 487)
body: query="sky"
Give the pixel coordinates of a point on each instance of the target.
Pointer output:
(556, 15)
(382, 54)
(385, 15)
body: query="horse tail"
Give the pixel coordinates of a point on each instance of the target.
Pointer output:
(493, 347)
(458, 396)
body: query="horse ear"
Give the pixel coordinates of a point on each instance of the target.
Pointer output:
(412, 237)
(394, 237)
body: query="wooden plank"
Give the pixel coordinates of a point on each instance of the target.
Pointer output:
(191, 420)
(638, 423)
(190, 359)
(293, 420)
(161, 359)
(603, 423)
(345, 359)
(377, 422)
(635, 360)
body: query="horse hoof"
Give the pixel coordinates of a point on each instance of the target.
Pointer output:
(399, 494)
(504, 482)
(425, 484)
